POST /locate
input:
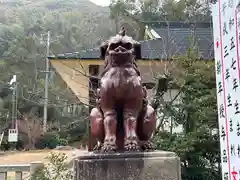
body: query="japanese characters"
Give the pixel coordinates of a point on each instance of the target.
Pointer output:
(226, 36)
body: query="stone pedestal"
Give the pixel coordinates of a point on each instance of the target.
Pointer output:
(157, 165)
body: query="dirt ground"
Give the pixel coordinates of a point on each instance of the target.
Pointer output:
(32, 156)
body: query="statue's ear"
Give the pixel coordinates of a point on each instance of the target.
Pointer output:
(137, 50)
(103, 50)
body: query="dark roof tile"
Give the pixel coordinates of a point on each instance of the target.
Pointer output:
(177, 38)
(174, 37)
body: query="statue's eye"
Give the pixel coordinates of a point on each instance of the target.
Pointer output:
(128, 46)
(113, 46)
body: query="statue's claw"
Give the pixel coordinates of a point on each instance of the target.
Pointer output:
(108, 147)
(131, 145)
(97, 148)
(147, 146)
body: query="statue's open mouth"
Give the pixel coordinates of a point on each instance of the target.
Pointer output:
(120, 53)
(121, 58)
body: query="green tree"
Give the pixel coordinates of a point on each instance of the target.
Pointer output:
(137, 12)
(75, 25)
(196, 112)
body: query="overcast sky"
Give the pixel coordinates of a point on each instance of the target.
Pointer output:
(101, 2)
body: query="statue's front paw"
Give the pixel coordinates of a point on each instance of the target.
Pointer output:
(131, 146)
(147, 146)
(108, 146)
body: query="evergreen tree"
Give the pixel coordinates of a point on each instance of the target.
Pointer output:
(196, 112)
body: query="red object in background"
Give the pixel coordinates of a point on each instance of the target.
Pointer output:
(234, 175)
(217, 44)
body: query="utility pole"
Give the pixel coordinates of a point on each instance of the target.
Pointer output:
(13, 133)
(14, 101)
(16, 106)
(46, 86)
(13, 106)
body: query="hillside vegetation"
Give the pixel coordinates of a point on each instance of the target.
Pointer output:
(74, 25)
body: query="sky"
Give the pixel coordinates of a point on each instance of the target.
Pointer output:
(101, 2)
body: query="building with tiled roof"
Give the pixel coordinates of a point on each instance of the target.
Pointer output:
(163, 40)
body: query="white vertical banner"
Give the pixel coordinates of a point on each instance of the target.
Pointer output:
(226, 47)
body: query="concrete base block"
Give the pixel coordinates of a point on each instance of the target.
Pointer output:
(157, 165)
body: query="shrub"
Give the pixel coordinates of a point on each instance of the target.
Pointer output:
(49, 140)
(55, 169)
(62, 142)
(5, 146)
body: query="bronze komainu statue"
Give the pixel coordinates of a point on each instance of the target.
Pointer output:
(123, 120)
